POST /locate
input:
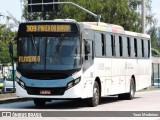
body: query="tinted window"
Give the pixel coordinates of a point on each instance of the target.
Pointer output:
(113, 45)
(128, 46)
(142, 43)
(135, 47)
(148, 48)
(98, 45)
(108, 45)
(103, 44)
(120, 46)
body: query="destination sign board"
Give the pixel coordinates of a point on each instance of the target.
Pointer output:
(48, 28)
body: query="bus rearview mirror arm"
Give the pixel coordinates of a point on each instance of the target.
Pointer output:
(11, 49)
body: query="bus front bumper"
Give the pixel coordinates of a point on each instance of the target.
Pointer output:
(72, 93)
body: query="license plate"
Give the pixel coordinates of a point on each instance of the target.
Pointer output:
(45, 92)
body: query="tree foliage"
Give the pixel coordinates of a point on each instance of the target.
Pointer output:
(150, 19)
(155, 52)
(6, 35)
(154, 40)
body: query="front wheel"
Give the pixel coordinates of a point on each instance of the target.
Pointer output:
(94, 101)
(39, 102)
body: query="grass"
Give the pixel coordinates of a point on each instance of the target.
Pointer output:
(7, 95)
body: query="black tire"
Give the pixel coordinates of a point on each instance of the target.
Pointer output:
(94, 101)
(121, 96)
(130, 95)
(39, 102)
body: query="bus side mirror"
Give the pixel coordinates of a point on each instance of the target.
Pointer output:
(87, 48)
(11, 49)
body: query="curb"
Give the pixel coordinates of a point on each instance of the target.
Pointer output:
(13, 99)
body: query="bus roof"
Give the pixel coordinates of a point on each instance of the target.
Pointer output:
(110, 28)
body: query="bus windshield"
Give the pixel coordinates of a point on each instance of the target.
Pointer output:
(49, 53)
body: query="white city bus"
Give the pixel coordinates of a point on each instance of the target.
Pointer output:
(65, 59)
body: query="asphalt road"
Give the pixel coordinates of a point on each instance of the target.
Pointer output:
(143, 101)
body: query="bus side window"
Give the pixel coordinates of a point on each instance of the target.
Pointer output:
(103, 44)
(149, 48)
(98, 45)
(88, 49)
(143, 48)
(128, 46)
(132, 47)
(120, 46)
(113, 45)
(135, 47)
(116, 46)
(124, 47)
(146, 48)
(139, 45)
(108, 45)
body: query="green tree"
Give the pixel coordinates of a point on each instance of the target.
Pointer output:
(6, 35)
(154, 40)
(152, 32)
(155, 52)
(137, 4)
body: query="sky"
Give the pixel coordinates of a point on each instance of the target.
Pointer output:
(156, 10)
(14, 7)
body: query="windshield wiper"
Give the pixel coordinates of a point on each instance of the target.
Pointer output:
(38, 46)
(59, 44)
(34, 44)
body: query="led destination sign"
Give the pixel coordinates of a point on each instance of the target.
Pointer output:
(28, 59)
(48, 28)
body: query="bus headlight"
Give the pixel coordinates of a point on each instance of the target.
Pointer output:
(73, 83)
(21, 83)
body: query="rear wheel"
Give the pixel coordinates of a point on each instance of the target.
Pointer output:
(39, 102)
(94, 101)
(130, 95)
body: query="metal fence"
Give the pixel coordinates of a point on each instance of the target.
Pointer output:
(156, 72)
